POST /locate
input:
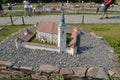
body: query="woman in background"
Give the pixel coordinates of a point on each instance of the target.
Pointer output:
(26, 7)
(106, 6)
(1, 10)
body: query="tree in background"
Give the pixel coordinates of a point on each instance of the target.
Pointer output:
(46, 1)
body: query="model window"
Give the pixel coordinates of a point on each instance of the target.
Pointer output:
(63, 32)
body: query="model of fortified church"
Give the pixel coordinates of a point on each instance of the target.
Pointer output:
(51, 33)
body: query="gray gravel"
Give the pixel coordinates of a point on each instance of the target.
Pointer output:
(92, 52)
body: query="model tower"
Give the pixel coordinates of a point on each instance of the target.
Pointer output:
(62, 34)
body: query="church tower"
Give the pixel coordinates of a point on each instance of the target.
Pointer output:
(62, 34)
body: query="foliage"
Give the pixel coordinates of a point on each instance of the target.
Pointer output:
(34, 40)
(58, 78)
(116, 79)
(115, 43)
(68, 39)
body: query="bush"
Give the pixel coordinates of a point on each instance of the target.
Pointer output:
(58, 78)
(116, 79)
(116, 43)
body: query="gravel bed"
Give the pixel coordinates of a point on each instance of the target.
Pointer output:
(92, 52)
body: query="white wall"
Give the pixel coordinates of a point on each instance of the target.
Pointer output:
(35, 47)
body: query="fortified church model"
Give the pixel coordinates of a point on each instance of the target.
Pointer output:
(51, 33)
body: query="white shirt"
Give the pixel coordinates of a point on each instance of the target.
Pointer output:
(26, 4)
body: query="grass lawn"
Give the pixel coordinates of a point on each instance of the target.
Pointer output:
(56, 13)
(8, 30)
(110, 32)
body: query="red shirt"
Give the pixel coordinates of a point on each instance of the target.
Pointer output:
(106, 2)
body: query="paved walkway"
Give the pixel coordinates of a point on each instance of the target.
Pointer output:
(56, 18)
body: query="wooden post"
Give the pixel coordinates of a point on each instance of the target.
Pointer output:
(83, 12)
(83, 19)
(23, 20)
(11, 20)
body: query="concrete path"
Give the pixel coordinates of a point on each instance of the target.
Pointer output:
(56, 18)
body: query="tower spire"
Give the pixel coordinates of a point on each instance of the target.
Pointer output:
(62, 23)
(63, 18)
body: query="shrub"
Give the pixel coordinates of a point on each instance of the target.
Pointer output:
(116, 43)
(58, 78)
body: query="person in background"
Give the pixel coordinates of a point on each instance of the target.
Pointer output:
(1, 10)
(9, 6)
(26, 8)
(106, 6)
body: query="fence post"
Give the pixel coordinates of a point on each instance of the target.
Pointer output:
(23, 20)
(83, 19)
(11, 20)
(83, 12)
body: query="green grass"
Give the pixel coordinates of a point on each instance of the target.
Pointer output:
(58, 78)
(19, 6)
(58, 13)
(110, 32)
(34, 40)
(116, 79)
(8, 30)
(14, 14)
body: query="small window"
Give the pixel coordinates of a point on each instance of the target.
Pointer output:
(63, 32)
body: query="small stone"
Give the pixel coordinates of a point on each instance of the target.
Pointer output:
(99, 73)
(42, 78)
(1, 28)
(102, 74)
(66, 71)
(3, 67)
(117, 72)
(26, 69)
(92, 72)
(111, 73)
(5, 72)
(15, 68)
(48, 68)
(5, 63)
(79, 71)
(72, 77)
(35, 75)
(113, 56)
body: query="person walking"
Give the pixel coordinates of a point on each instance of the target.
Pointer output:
(9, 6)
(1, 10)
(105, 8)
(26, 7)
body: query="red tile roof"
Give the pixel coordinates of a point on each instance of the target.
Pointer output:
(47, 27)
(30, 34)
